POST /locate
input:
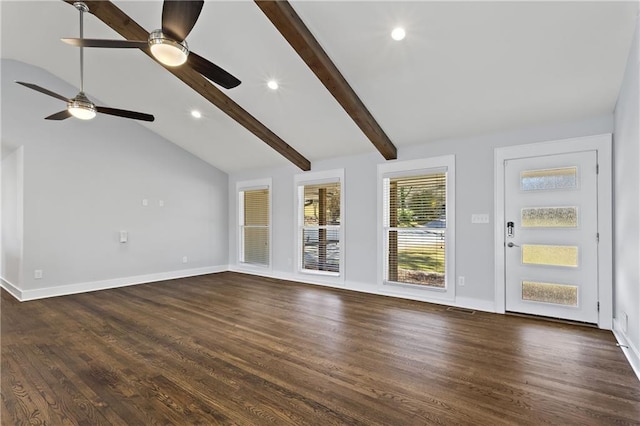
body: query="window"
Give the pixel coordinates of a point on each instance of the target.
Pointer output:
(417, 223)
(254, 224)
(319, 215)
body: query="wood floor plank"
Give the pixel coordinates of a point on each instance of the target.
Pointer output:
(24, 403)
(64, 403)
(115, 405)
(238, 349)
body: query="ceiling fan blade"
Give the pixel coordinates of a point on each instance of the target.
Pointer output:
(59, 115)
(212, 71)
(179, 17)
(43, 90)
(126, 114)
(92, 42)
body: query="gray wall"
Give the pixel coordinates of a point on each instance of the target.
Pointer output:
(474, 194)
(85, 181)
(627, 202)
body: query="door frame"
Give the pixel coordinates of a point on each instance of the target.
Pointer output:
(602, 145)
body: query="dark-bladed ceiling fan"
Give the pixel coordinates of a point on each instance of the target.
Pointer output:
(80, 106)
(168, 45)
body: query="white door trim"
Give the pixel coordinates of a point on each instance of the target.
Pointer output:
(602, 145)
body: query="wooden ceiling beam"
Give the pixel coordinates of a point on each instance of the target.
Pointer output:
(286, 20)
(115, 18)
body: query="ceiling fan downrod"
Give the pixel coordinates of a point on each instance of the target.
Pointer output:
(82, 7)
(80, 106)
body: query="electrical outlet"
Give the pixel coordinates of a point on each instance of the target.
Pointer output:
(185, 259)
(461, 281)
(37, 274)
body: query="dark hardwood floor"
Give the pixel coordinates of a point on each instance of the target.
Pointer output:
(237, 349)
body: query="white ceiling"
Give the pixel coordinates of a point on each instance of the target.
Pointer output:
(465, 68)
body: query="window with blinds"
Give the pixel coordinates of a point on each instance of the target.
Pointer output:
(320, 227)
(415, 228)
(254, 226)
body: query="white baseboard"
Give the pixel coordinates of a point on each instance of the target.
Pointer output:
(11, 289)
(460, 302)
(476, 304)
(41, 293)
(628, 348)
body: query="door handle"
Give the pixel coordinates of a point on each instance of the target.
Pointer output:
(512, 245)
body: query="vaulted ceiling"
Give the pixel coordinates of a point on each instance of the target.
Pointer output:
(464, 68)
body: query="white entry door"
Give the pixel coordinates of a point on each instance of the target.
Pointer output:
(551, 236)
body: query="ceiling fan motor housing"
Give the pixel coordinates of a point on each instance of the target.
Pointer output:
(168, 51)
(81, 107)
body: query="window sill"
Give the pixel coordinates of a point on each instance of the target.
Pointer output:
(333, 279)
(415, 286)
(253, 266)
(319, 273)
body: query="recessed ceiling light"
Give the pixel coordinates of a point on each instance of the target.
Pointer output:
(398, 33)
(196, 114)
(272, 84)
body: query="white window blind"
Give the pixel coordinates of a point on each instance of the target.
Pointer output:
(254, 226)
(415, 228)
(320, 227)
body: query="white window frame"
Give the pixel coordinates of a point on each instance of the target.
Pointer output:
(249, 185)
(314, 178)
(415, 168)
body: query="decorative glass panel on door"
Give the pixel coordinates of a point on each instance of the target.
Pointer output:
(549, 179)
(549, 217)
(537, 254)
(560, 294)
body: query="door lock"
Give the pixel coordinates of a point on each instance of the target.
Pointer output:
(510, 229)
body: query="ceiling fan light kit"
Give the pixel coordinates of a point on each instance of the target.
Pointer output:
(166, 50)
(81, 107)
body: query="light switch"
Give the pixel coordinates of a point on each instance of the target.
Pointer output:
(479, 218)
(145, 202)
(124, 236)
